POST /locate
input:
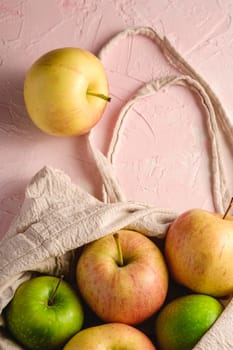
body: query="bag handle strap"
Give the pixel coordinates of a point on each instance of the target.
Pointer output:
(215, 116)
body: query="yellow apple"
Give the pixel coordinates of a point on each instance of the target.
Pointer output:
(66, 91)
(199, 251)
(116, 336)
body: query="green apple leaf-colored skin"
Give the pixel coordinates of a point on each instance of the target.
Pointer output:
(199, 251)
(56, 91)
(130, 293)
(182, 322)
(37, 325)
(117, 336)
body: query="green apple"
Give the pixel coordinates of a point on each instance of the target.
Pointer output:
(66, 91)
(199, 251)
(117, 336)
(44, 313)
(182, 322)
(123, 277)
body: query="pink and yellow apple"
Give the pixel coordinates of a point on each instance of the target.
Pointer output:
(115, 336)
(123, 282)
(199, 251)
(66, 91)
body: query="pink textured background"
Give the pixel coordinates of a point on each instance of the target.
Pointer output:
(163, 156)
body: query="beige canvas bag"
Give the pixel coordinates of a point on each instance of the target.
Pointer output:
(58, 216)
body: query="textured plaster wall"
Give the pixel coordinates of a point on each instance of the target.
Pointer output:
(163, 156)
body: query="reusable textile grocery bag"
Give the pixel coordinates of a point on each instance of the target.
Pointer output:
(58, 216)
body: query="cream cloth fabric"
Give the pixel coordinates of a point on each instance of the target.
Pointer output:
(57, 216)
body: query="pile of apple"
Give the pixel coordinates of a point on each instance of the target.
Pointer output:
(123, 279)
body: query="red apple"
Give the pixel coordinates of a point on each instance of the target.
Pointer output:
(124, 278)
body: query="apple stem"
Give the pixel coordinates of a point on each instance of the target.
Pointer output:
(52, 297)
(106, 98)
(119, 249)
(228, 208)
